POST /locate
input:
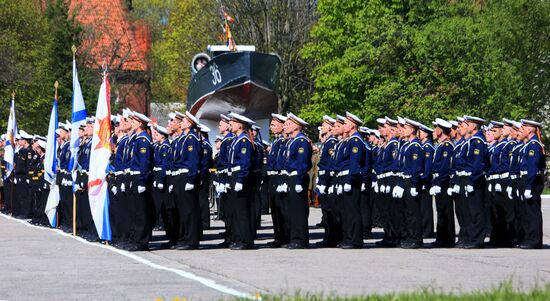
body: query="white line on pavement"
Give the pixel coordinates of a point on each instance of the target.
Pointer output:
(205, 281)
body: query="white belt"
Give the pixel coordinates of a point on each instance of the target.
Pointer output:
(493, 177)
(223, 171)
(523, 173)
(331, 173)
(406, 176)
(272, 173)
(83, 171)
(513, 177)
(435, 175)
(118, 173)
(157, 168)
(293, 173)
(127, 170)
(322, 172)
(180, 171)
(504, 175)
(134, 173)
(283, 173)
(168, 172)
(236, 168)
(343, 173)
(463, 174)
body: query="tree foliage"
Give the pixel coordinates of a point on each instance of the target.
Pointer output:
(426, 59)
(35, 51)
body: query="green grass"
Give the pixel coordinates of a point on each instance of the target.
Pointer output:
(504, 292)
(546, 190)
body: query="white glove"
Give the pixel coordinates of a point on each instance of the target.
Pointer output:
(397, 192)
(28, 181)
(154, 183)
(170, 188)
(490, 188)
(347, 187)
(76, 187)
(431, 192)
(160, 186)
(238, 187)
(375, 186)
(298, 188)
(527, 194)
(382, 189)
(141, 189)
(114, 190)
(498, 188)
(372, 184)
(279, 188)
(321, 189)
(331, 189)
(14, 180)
(450, 191)
(189, 186)
(285, 187)
(437, 190)
(363, 187)
(388, 189)
(339, 189)
(509, 192)
(122, 187)
(469, 188)
(414, 192)
(456, 189)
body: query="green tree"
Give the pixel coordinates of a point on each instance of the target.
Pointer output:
(430, 58)
(25, 57)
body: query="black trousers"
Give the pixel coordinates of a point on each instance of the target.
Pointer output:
(240, 213)
(66, 202)
(277, 210)
(472, 212)
(256, 200)
(334, 233)
(427, 211)
(394, 213)
(41, 198)
(264, 194)
(445, 230)
(124, 209)
(502, 217)
(204, 196)
(143, 215)
(349, 212)
(297, 204)
(23, 198)
(86, 227)
(530, 215)
(165, 209)
(412, 227)
(366, 205)
(114, 208)
(187, 205)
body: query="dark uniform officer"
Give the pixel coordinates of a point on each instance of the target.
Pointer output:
(206, 163)
(470, 167)
(501, 209)
(64, 180)
(445, 229)
(85, 223)
(297, 165)
(164, 207)
(222, 171)
(531, 185)
(185, 181)
(140, 183)
(324, 180)
(240, 205)
(274, 160)
(39, 186)
(366, 202)
(426, 200)
(411, 167)
(388, 162)
(349, 179)
(24, 158)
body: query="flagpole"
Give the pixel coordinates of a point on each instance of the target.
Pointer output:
(73, 48)
(12, 173)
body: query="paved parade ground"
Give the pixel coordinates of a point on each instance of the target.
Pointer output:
(40, 264)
